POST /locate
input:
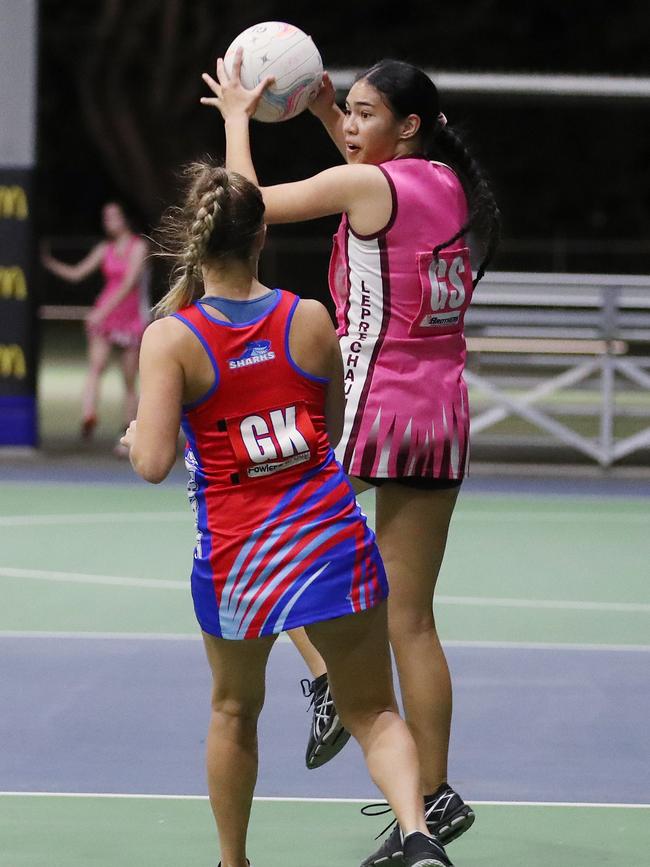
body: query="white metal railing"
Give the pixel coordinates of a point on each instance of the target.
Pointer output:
(527, 84)
(567, 331)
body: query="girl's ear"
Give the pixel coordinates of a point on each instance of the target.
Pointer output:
(410, 126)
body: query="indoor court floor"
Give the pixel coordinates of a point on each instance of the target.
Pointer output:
(544, 607)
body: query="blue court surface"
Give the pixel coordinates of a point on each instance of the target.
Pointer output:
(129, 715)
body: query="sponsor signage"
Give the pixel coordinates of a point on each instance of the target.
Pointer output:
(13, 202)
(13, 283)
(17, 311)
(12, 361)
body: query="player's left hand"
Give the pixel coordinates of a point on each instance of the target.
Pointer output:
(129, 435)
(322, 104)
(230, 96)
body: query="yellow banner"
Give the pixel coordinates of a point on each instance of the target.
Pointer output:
(13, 283)
(12, 361)
(13, 203)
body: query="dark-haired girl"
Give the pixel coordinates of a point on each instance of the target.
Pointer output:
(401, 280)
(255, 376)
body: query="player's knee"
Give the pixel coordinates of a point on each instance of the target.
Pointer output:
(405, 623)
(237, 710)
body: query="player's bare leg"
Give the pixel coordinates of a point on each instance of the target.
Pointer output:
(412, 527)
(327, 737)
(306, 649)
(238, 671)
(357, 654)
(129, 363)
(99, 350)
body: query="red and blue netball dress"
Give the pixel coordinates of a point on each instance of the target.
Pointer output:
(281, 541)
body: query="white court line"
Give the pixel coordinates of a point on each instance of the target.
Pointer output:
(293, 800)
(83, 578)
(566, 604)
(525, 515)
(94, 518)
(107, 636)
(491, 517)
(283, 638)
(542, 645)
(472, 601)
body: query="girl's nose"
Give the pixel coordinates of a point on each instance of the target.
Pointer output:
(349, 124)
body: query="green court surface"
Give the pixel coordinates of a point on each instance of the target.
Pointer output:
(115, 558)
(57, 831)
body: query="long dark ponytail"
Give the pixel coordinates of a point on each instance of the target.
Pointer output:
(408, 90)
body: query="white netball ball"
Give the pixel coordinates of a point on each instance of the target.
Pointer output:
(290, 56)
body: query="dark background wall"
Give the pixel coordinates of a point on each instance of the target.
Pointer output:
(119, 112)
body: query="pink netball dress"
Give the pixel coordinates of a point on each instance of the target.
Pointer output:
(400, 314)
(125, 325)
(280, 539)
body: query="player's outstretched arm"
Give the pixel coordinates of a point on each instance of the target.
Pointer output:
(355, 190)
(78, 272)
(236, 105)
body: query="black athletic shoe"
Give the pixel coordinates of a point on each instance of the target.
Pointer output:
(327, 736)
(423, 851)
(390, 852)
(447, 815)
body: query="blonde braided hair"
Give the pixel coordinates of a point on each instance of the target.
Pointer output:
(222, 214)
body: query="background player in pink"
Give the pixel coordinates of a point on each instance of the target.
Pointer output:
(402, 280)
(120, 313)
(255, 377)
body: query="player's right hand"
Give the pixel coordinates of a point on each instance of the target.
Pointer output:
(230, 96)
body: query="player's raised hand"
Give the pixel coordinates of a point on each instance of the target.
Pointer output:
(230, 96)
(322, 103)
